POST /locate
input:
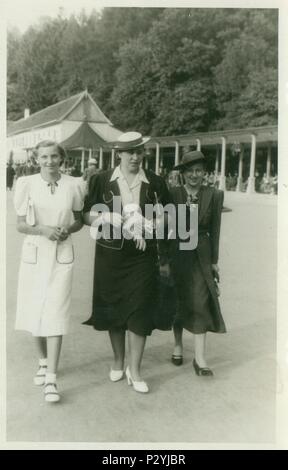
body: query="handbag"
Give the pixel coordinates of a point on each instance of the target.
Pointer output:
(30, 213)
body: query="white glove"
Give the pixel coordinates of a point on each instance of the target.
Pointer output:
(136, 225)
(112, 218)
(140, 244)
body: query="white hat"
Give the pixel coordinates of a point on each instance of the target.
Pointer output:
(130, 140)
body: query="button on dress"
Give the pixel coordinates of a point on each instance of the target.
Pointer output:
(46, 267)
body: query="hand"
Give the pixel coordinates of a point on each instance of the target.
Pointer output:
(140, 244)
(52, 233)
(112, 218)
(64, 233)
(216, 272)
(137, 225)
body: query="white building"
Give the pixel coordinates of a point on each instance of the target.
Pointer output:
(60, 122)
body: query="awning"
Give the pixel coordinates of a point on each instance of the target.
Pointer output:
(84, 137)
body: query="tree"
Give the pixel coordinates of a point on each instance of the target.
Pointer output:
(39, 64)
(164, 83)
(159, 70)
(246, 79)
(15, 102)
(116, 28)
(132, 99)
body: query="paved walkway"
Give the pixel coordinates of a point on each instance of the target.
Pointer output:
(237, 405)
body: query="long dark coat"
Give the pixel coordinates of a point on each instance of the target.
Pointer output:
(126, 281)
(195, 267)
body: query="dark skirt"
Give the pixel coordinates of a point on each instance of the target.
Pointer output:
(126, 292)
(196, 310)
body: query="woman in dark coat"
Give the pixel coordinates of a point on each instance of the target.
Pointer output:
(126, 271)
(196, 271)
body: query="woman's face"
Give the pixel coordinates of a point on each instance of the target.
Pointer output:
(49, 159)
(173, 178)
(131, 159)
(194, 174)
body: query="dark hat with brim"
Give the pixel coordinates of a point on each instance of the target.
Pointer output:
(130, 140)
(189, 158)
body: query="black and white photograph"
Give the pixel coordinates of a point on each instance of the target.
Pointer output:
(145, 266)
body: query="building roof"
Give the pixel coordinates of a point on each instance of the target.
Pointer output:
(57, 112)
(9, 126)
(107, 133)
(84, 137)
(263, 134)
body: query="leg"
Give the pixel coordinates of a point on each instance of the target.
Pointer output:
(117, 338)
(41, 345)
(178, 346)
(200, 343)
(136, 349)
(53, 348)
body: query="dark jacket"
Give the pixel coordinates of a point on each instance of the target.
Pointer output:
(102, 191)
(209, 217)
(209, 222)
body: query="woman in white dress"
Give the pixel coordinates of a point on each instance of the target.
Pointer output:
(49, 208)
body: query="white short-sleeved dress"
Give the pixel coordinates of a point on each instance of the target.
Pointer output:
(46, 268)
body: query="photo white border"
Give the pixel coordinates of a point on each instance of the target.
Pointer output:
(282, 285)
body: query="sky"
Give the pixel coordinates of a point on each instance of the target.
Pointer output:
(24, 13)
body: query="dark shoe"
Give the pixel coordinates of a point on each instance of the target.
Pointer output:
(177, 360)
(205, 371)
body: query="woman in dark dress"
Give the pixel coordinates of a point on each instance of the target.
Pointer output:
(196, 271)
(126, 270)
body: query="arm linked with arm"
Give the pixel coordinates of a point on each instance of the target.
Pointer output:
(77, 224)
(73, 228)
(91, 199)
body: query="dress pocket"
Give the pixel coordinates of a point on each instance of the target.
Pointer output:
(29, 253)
(64, 253)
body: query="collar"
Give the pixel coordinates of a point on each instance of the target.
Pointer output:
(140, 176)
(193, 198)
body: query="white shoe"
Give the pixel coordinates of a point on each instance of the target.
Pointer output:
(51, 393)
(140, 387)
(39, 378)
(116, 375)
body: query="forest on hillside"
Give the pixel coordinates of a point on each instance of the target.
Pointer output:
(162, 71)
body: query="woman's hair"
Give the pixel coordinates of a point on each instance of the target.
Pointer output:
(52, 143)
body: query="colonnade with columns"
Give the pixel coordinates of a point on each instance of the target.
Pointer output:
(220, 160)
(220, 163)
(100, 163)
